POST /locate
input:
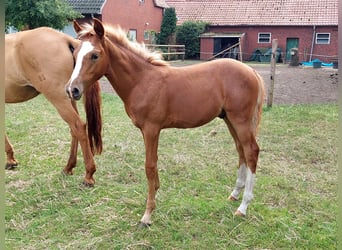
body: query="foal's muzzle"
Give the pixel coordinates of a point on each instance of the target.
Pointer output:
(73, 93)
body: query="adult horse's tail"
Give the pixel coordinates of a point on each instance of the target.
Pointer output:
(92, 105)
(260, 102)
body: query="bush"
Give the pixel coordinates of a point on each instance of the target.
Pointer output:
(168, 26)
(188, 34)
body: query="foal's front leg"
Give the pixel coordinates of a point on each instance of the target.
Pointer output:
(151, 137)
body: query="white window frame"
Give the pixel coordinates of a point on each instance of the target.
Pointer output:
(147, 35)
(132, 35)
(264, 37)
(322, 38)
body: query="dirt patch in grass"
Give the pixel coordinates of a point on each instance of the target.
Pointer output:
(293, 85)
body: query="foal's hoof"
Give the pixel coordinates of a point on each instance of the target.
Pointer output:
(238, 213)
(232, 198)
(11, 166)
(144, 225)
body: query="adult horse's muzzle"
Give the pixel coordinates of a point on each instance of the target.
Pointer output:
(74, 92)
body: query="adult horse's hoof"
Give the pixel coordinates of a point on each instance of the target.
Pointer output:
(232, 198)
(88, 184)
(64, 172)
(11, 166)
(238, 213)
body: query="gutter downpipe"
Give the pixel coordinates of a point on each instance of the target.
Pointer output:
(313, 42)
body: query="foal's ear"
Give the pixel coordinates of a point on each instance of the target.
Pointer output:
(98, 27)
(77, 27)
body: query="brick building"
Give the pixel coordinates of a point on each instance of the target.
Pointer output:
(142, 18)
(310, 26)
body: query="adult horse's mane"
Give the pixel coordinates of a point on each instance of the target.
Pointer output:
(118, 36)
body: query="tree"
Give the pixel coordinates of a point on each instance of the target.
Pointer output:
(30, 14)
(188, 34)
(168, 26)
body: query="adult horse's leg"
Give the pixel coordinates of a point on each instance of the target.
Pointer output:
(68, 169)
(68, 112)
(151, 138)
(11, 161)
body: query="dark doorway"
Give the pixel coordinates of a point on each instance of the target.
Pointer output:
(223, 43)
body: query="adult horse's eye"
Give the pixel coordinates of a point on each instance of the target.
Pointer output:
(94, 57)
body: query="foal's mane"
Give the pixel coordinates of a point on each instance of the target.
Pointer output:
(118, 36)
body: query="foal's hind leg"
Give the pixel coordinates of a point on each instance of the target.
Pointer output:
(251, 152)
(250, 148)
(241, 176)
(11, 161)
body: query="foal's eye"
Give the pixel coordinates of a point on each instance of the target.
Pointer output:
(94, 57)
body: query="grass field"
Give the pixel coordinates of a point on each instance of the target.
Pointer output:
(294, 207)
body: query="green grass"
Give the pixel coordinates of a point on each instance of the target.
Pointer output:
(295, 200)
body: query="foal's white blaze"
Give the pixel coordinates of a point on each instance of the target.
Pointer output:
(86, 47)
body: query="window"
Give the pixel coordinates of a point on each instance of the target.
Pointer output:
(264, 37)
(146, 35)
(132, 35)
(323, 38)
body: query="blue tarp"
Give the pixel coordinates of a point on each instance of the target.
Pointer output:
(310, 64)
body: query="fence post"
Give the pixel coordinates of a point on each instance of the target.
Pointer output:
(273, 66)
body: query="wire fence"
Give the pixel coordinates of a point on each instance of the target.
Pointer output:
(284, 57)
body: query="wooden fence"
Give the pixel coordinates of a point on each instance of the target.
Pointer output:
(231, 49)
(169, 50)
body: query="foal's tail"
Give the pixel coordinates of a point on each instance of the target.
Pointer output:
(260, 102)
(92, 105)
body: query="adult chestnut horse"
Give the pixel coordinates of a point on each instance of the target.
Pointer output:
(158, 96)
(41, 61)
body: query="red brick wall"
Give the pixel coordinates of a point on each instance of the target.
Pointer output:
(131, 14)
(304, 33)
(322, 50)
(207, 48)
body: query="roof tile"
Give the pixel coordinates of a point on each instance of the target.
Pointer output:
(258, 12)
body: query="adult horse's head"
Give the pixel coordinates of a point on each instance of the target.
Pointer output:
(91, 61)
